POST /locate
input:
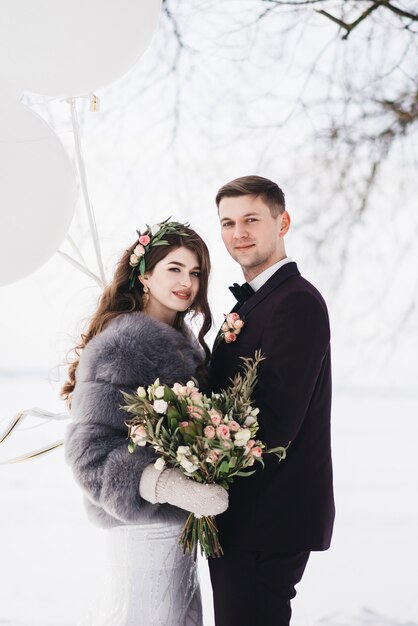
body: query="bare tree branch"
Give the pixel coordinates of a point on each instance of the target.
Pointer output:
(352, 25)
(401, 12)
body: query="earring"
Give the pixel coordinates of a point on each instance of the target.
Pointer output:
(145, 296)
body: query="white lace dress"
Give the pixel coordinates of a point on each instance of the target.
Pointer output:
(149, 582)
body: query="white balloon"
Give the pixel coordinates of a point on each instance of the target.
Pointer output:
(73, 47)
(10, 93)
(38, 191)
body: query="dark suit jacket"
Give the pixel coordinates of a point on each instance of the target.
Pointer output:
(287, 506)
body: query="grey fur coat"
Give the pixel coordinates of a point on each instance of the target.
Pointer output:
(134, 349)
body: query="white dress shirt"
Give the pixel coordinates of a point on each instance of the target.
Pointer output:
(262, 278)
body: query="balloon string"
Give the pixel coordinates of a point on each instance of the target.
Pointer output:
(81, 267)
(33, 455)
(83, 181)
(11, 426)
(76, 249)
(42, 413)
(81, 264)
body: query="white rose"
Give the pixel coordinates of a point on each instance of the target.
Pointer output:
(160, 406)
(241, 437)
(155, 228)
(190, 464)
(249, 420)
(182, 451)
(177, 388)
(159, 464)
(185, 463)
(159, 392)
(141, 392)
(190, 384)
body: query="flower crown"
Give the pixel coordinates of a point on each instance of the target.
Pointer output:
(150, 237)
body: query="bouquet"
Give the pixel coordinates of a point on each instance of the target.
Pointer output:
(211, 439)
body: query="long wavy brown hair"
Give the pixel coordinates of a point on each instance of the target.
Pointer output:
(118, 298)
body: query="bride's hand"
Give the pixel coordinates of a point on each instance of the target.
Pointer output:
(173, 487)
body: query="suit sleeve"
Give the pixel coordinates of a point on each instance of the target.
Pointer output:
(294, 342)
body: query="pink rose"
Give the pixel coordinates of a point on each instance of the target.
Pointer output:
(184, 424)
(230, 337)
(215, 417)
(249, 445)
(196, 397)
(209, 432)
(180, 390)
(233, 317)
(223, 431)
(138, 433)
(139, 250)
(257, 451)
(234, 426)
(195, 411)
(139, 430)
(144, 240)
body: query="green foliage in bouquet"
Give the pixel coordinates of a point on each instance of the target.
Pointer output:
(211, 439)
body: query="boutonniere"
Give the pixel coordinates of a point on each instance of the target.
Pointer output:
(231, 327)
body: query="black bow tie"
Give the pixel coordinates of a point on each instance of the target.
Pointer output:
(241, 292)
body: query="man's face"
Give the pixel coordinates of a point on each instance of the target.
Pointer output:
(251, 235)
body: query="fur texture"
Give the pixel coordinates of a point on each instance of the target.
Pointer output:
(132, 350)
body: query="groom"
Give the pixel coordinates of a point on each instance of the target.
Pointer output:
(281, 513)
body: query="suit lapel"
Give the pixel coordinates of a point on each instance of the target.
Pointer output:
(279, 277)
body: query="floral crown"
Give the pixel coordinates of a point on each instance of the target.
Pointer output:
(150, 237)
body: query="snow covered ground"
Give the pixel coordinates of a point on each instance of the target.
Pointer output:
(51, 557)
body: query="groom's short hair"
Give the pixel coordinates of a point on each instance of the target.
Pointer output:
(257, 186)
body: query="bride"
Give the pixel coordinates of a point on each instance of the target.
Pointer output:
(137, 334)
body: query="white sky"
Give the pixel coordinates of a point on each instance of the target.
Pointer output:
(148, 158)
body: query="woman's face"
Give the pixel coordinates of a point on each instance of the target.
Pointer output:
(173, 284)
